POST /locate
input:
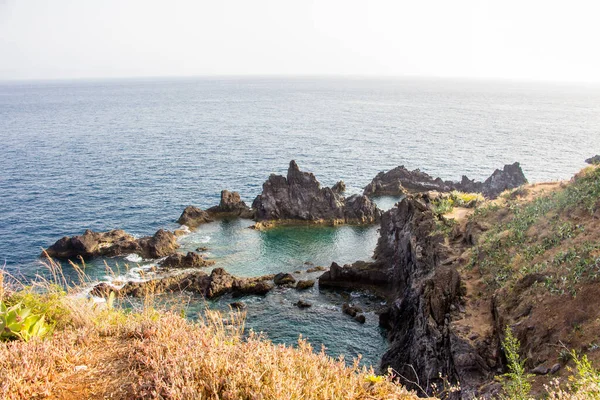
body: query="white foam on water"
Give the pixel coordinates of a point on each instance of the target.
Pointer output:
(133, 258)
(204, 239)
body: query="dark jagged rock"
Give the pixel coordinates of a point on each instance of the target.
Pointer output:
(218, 283)
(358, 275)
(305, 284)
(360, 318)
(423, 293)
(593, 160)
(510, 177)
(299, 196)
(400, 181)
(113, 243)
(284, 279)
(190, 260)
(231, 205)
(192, 217)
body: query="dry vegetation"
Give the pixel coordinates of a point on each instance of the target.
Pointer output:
(97, 351)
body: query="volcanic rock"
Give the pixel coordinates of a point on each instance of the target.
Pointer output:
(113, 243)
(400, 181)
(192, 217)
(305, 284)
(231, 205)
(190, 260)
(299, 196)
(218, 283)
(284, 279)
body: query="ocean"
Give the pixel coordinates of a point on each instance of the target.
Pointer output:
(132, 153)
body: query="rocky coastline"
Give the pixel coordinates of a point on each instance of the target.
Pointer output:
(414, 267)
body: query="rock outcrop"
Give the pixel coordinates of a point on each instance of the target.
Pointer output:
(190, 260)
(192, 217)
(509, 177)
(299, 196)
(113, 243)
(231, 205)
(400, 181)
(217, 284)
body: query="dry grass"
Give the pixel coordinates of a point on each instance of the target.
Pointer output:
(99, 352)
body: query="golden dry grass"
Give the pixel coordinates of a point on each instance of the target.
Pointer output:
(150, 354)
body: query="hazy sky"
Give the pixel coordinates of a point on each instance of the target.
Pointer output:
(524, 39)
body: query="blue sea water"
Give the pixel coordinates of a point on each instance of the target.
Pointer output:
(132, 154)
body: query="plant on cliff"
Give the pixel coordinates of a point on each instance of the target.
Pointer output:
(516, 383)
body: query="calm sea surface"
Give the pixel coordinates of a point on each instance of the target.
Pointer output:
(132, 154)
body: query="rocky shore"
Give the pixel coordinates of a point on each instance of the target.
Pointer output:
(415, 267)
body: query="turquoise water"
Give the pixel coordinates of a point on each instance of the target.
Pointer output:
(132, 154)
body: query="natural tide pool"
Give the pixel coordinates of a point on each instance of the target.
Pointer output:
(247, 252)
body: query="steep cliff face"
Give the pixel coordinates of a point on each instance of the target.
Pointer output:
(425, 346)
(416, 270)
(299, 196)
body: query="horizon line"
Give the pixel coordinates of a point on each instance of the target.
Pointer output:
(302, 76)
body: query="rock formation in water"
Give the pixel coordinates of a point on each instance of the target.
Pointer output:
(231, 205)
(217, 284)
(400, 181)
(192, 217)
(190, 260)
(113, 243)
(299, 196)
(424, 293)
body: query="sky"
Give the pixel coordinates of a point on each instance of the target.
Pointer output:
(522, 40)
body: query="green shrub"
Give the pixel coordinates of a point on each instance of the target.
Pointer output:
(18, 322)
(516, 382)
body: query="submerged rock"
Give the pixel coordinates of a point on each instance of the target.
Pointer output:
(192, 217)
(351, 310)
(400, 181)
(231, 205)
(305, 284)
(113, 243)
(284, 279)
(299, 196)
(302, 304)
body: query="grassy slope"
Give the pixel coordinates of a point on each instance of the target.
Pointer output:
(537, 260)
